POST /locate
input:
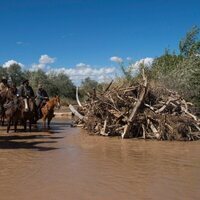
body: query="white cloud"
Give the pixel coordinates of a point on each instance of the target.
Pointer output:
(43, 63)
(116, 59)
(136, 66)
(82, 71)
(36, 67)
(82, 65)
(11, 62)
(146, 61)
(45, 59)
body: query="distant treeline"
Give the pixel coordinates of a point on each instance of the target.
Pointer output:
(55, 84)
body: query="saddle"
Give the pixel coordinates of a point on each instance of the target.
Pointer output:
(11, 104)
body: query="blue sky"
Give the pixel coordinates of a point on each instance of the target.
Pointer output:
(90, 32)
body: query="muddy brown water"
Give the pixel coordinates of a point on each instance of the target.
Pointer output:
(67, 163)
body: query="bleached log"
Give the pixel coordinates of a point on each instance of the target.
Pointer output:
(154, 130)
(136, 107)
(196, 126)
(79, 125)
(103, 130)
(77, 98)
(169, 127)
(188, 113)
(147, 105)
(119, 97)
(76, 113)
(186, 106)
(163, 107)
(120, 128)
(143, 132)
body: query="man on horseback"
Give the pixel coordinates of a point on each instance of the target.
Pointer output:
(3, 84)
(3, 88)
(26, 91)
(41, 98)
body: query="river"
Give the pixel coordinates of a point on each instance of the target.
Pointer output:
(67, 163)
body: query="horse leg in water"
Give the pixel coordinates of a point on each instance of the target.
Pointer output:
(11, 121)
(30, 122)
(8, 126)
(2, 117)
(44, 122)
(15, 125)
(49, 120)
(24, 122)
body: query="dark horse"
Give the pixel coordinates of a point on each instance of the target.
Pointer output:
(16, 112)
(48, 110)
(6, 96)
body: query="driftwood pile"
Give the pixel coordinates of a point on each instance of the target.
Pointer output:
(138, 111)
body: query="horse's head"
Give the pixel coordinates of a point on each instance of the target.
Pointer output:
(57, 100)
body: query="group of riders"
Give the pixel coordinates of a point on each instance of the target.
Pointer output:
(26, 92)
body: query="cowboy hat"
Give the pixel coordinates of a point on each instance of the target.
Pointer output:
(25, 81)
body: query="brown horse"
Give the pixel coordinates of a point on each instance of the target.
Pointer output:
(16, 112)
(48, 110)
(13, 112)
(6, 96)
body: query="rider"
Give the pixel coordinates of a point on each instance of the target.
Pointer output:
(26, 91)
(42, 98)
(3, 83)
(3, 86)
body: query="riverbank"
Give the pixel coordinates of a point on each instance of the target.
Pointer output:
(64, 111)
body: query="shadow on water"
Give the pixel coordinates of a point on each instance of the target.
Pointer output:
(9, 144)
(34, 142)
(55, 127)
(35, 139)
(24, 137)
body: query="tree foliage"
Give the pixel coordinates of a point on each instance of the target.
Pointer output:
(164, 64)
(15, 73)
(61, 85)
(126, 72)
(186, 78)
(190, 45)
(181, 71)
(87, 86)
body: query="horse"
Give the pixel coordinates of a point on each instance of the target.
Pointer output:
(29, 114)
(13, 112)
(6, 96)
(16, 111)
(48, 110)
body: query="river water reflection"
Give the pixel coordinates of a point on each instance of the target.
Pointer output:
(70, 164)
